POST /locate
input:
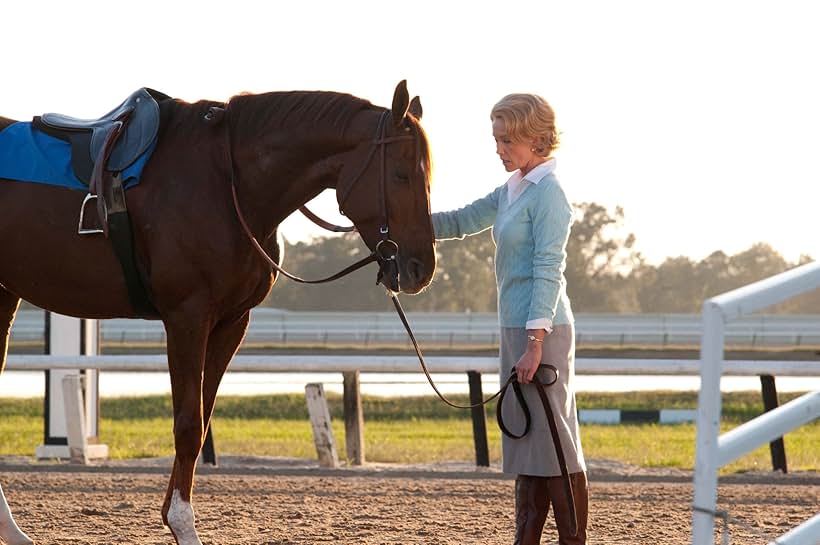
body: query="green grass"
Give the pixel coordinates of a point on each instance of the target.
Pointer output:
(405, 430)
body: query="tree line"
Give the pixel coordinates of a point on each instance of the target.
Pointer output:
(604, 274)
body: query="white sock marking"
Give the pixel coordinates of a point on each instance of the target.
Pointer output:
(181, 520)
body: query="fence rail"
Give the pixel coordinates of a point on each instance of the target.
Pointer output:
(351, 365)
(409, 364)
(273, 326)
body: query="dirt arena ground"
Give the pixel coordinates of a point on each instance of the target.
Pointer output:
(280, 502)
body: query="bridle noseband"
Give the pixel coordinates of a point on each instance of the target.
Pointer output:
(386, 251)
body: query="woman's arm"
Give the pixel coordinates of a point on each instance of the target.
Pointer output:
(469, 220)
(551, 224)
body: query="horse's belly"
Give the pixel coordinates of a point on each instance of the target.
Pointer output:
(46, 262)
(68, 287)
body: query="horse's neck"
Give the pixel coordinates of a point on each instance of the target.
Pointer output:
(283, 167)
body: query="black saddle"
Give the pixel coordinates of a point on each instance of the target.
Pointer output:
(137, 120)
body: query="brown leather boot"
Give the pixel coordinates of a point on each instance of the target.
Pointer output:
(561, 510)
(531, 506)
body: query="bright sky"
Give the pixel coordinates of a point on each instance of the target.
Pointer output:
(700, 118)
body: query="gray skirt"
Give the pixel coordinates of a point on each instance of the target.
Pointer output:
(534, 454)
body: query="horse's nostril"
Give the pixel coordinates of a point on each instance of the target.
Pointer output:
(415, 269)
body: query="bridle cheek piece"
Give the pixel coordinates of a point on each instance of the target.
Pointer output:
(386, 251)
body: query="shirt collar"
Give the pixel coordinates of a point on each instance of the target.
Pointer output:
(535, 175)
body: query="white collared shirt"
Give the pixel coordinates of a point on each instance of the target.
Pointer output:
(518, 182)
(515, 187)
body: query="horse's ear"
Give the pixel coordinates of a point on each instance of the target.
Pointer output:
(401, 101)
(415, 107)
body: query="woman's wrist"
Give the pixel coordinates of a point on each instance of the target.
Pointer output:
(536, 335)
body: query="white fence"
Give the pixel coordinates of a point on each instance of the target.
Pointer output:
(714, 451)
(251, 363)
(346, 364)
(448, 329)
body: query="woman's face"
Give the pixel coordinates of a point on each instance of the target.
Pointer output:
(514, 155)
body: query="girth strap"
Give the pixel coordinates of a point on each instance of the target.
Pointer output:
(122, 241)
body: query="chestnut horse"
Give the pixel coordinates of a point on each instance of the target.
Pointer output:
(222, 177)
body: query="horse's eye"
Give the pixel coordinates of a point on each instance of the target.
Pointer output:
(401, 176)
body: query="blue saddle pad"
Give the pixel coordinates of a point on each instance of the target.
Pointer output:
(29, 155)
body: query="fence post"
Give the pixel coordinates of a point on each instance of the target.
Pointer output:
(320, 422)
(482, 452)
(776, 448)
(708, 424)
(354, 418)
(67, 336)
(75, 419)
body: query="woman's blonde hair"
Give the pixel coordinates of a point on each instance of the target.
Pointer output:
(528, 118)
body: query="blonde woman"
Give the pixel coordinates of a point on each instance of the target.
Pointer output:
(530, 218)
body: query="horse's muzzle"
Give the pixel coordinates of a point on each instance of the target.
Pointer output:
(414, 276)
(389, 275)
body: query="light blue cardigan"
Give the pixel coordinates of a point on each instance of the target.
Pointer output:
(530, 257)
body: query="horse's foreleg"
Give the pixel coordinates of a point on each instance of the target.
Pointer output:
(222, 345)
(10, 533)
(187, 339)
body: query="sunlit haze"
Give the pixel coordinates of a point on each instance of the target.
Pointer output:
(700, 118)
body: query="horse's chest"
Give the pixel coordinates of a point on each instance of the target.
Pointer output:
(251, 289)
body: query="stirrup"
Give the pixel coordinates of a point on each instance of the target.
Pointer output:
(80, 229)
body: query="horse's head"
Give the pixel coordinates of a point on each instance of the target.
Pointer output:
(384, 188)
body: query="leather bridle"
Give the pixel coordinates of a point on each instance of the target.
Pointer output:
(386, 251)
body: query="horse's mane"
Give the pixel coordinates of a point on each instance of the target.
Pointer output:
(308, 108)
(266, 111)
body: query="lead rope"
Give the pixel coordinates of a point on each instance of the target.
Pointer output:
(542, 394)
